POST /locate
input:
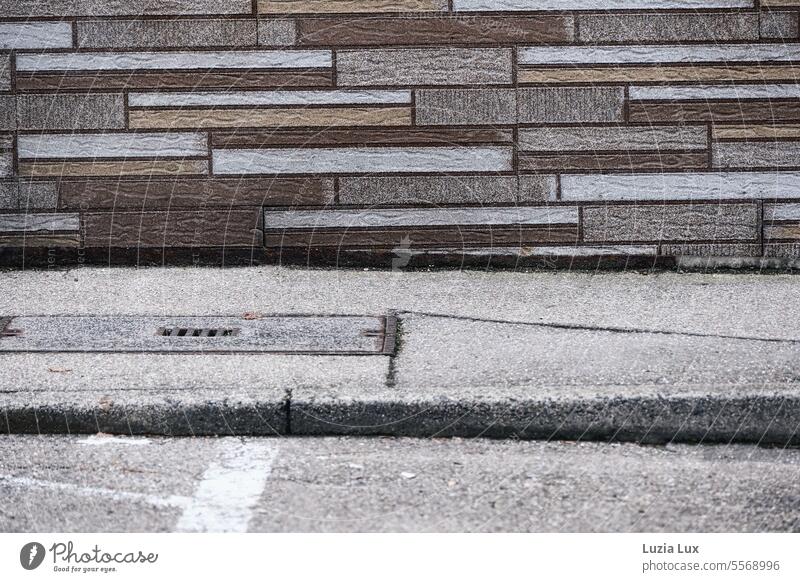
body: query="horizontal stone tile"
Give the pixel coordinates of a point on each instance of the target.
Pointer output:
(349, 6)
(418, 217)
(775, 91)
(276, 32)
(230, 80)
(537, 188)
(424, 66)
(268, 98)
(782, 231)
(363, 160)
(427, 190)
(570, 104)
(167, 33)
(41, 239)
(778, 25)
(113, 145)
(591, 139)
(756, 155)
(6, 164)
(402, 240)
(360, 137)
(466, 106)
(5, 72)
(39, 222)
(28, 195)
(181, 192)
(8, 113)
(660, 73)
(716, 111)
(569, 55)
(123, 168)
(282, 117)
(33, 35)
(71, 111)
(525, 5)
(6, 141)
(655, 27)
(782, 250)
(590, 251)
(174, 60)
(173, 228)
(711, 250)
(754, 131)
(627, 161)
(671, 222)
(781, 212)
(433, 30)
(682, 186)
(34, 8)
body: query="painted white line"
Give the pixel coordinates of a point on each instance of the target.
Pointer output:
(27, 482)
(100, 440)
(230, 488)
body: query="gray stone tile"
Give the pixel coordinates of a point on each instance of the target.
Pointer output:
(591, 139)
(712, 250)
(6, 164)
(6, 141)
(65, 111)
(28, 195)
(756, 155)
(671, 222)
(39, 222)
(166, 33)
(276, 32)
(8, 112)
(782, 211)
(466, 106)
(570, 104)
(667, 27)
(782, 250)
(5, 75)
(425, 66)
(427, 189)
(23, 8)
(537, 188)
(778, 24)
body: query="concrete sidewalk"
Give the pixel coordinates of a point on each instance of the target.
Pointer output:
(613, 356)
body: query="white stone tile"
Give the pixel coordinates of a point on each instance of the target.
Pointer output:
(569, 55)
(33, 35)
(362, 160)
(112, 145)
(775, 91)
(529, 5)
(256, 98)
(39, 222)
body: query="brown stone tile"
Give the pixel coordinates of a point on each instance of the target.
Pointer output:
(714, 111)
(199, 228)
(359, 137)
(433, 30)
(278, 117)
(194, 193)
(633, 74)
(782, 231)
(167, 80)
(614, 161)
(753, 131)
(40, 240)
(421, 237)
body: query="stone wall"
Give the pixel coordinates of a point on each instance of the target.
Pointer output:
(286, 129)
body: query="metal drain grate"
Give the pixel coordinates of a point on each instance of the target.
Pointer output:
(197, 331)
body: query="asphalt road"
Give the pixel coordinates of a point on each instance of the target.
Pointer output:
(103, 483)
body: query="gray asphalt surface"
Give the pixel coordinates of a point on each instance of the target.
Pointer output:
(102, 483)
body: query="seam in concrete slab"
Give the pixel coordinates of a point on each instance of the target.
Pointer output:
(579, 327)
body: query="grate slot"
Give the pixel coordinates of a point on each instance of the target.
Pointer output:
(197, 332)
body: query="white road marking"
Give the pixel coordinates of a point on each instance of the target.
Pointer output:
(229, 488)
(27, 482)
(98, 440)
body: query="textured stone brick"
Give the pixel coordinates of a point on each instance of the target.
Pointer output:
(667, 27)
(427, 189)
(570, 104)
(591, 139)
(668, 222)
(8, 112)
(6, 164)
(782, 250)
(28, 8)
(537, 188)
(5, 71)
(166, 33)
(28, 195)
(756, 155)
(712, 250)
(71, 112)
(778, 25)
(466, 106)
(276, 32)
(428, 66)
